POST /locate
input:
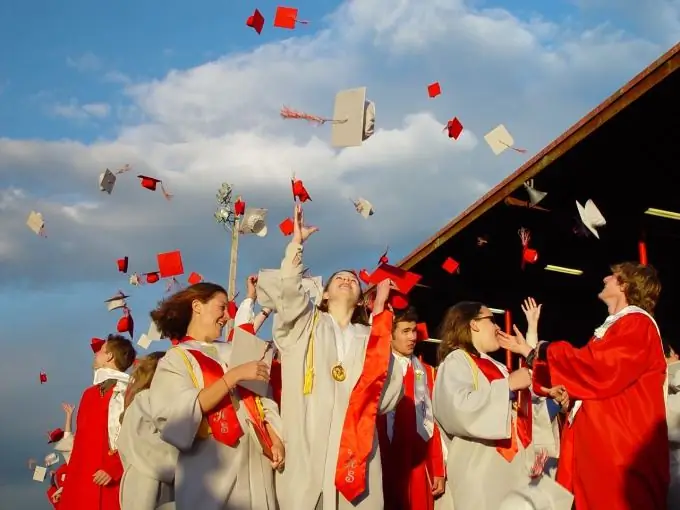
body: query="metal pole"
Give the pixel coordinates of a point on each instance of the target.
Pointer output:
(233, 263)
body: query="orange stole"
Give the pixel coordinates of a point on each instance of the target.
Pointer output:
(508, 448)
(222, 420)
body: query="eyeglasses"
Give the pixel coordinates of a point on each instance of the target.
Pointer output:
(489, 317)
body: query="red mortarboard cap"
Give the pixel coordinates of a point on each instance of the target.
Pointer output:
(126, 325)
(43, 377)
(421, 331)
(239, 207)
(170, 264)
(404, 280)
(152, 277)
(286, 17)
(232, 309)
(364, 276)
(150, 183)
(55, 435)
(434, 89)
(194, 278)
(529, 255)
(256, 21)
(299, 191)
(450, 265)
(454, 128)
(287, 227)
(123, 265)
(398, 300)
(96, 344)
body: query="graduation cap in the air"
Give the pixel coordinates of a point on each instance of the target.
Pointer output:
(287, 227)
(134, 280)
(36, 223)
(500, 140)
(403, 280)
(451, 265)
(151, 183)
(535, 196)
(107, 180)
(239, 207)
(254, 222)
(454, 128)
(126, 324)
(591, 217)
(434, 89)
(39, 474)
(43, 377)
(529, 255)
(287, 17)
(195, 278)
(363, 207)
(117, 301)
(170, 264)
(150, 336)
(152, 277)
(51, 459)
(123, 264)
(353, 120)
(299, 191)
(256, 21)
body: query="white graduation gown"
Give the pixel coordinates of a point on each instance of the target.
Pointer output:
(149, 462)
(313, 423)
(209, 475)
(479, 477)
(673, 419)
(65, 445)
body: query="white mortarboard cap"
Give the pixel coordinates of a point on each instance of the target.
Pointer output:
(246, 347)
(543, 494)
(254, 221)
(35, 222)
(535, 196)
(134, 279)
(364, 207)
(107, 181)
(591, 217)
(499, 139)
(117, 301)
(268, 287)
(39, 473)
(51, 459)
(353, 118)
(150, 336)
(313, 286)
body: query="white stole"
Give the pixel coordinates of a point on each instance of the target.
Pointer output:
(421, 396)
(599, 334)
(117, 402)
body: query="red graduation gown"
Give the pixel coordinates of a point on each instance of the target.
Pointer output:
(90, 454)
(616, 450)
(409, 462)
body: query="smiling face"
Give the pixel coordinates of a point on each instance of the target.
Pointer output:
(343, 286)
(208, 319)
(485, 331)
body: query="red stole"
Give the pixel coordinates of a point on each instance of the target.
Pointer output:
(508, 448)
(275, 381)
(222, 420)
(409, 462)
(359, 429)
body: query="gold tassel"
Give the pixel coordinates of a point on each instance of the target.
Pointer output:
(309, 359)
(260, 407)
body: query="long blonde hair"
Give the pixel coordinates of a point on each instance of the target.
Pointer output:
(141, 377)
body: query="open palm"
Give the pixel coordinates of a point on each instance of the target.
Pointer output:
(531, 310)
(301, 232)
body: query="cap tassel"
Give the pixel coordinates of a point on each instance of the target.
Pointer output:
(172, 285)
(288, 113)
(521, 151)
(539, 464)
(167, 195)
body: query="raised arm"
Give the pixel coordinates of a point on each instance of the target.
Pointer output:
(604, 367)
(393, 389)
(463, 408)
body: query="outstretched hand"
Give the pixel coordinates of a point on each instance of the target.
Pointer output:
(301, 232)
(532, 311)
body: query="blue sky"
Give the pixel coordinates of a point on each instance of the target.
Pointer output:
(536, 68)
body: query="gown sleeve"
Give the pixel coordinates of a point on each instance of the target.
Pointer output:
(245, 313)
(175, 410)
(294, 309)
(604, 367)
(272, 416)
(462, 410)
(393, 389)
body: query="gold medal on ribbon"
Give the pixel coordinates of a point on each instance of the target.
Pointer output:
(338, 372)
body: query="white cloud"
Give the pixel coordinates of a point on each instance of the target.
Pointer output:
(74, 110)
(88, 62)
(219, 121)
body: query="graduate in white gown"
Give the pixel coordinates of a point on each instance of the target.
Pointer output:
(148, 461)
(490, 451)
(673, 419)
(323, 350)
(228, 438)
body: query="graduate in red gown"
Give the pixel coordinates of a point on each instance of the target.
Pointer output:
(410, 445)
(95, 469)
(615, 444)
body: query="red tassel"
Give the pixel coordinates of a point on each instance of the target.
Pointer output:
(167, 195)
(288, 113)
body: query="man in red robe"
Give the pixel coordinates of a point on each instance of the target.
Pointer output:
(95, 469)
(615, 445)
(410, 445)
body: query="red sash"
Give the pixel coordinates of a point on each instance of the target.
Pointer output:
(223, 420)
(508, 448)
(359, 429)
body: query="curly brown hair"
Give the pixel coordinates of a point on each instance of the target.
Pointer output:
(173, 315)
(640, 283)
(454, 330)
(360, 314)
(122, 350)
(141, 377)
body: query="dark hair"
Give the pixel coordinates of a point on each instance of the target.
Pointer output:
(141, 377)
(640, 283)
(173, 315)
(360, 314)
(407, 315)
(454, 330)
(122, 350)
